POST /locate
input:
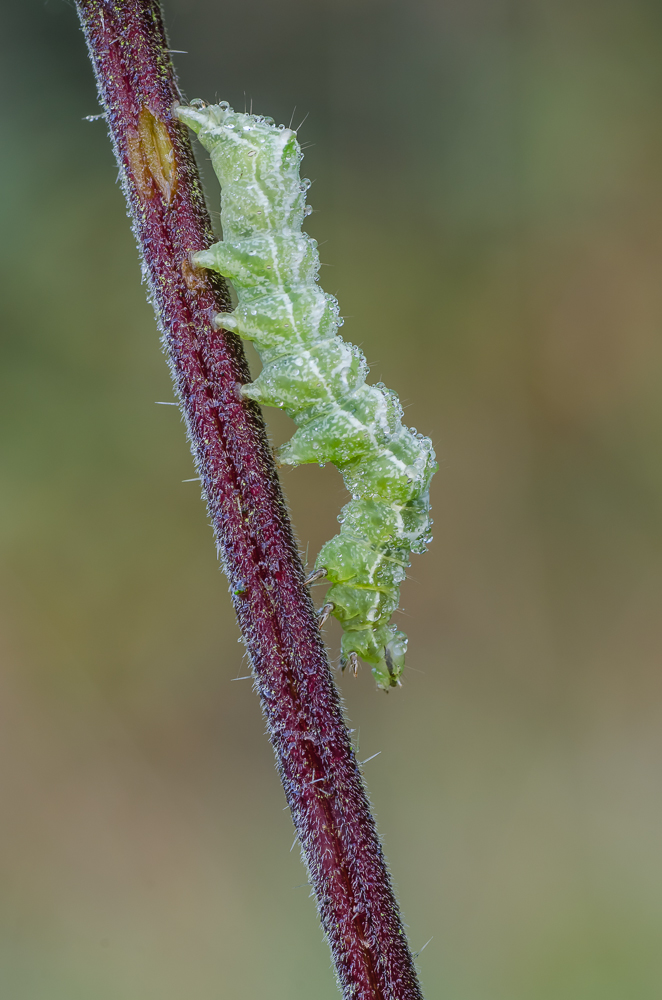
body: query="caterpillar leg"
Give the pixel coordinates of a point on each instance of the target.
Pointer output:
(352, 662)
(324, 613)
(317, 574)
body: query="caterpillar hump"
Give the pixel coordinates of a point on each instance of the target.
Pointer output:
(317, 379)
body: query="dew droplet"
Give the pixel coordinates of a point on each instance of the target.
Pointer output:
(308, 210)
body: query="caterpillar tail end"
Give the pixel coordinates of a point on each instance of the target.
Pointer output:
(192, 114)
(384, 649)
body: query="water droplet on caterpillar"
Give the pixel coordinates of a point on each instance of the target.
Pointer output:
(308, 210)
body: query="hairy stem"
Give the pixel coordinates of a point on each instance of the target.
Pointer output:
(316, 761)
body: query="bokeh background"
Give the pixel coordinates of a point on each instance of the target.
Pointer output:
(488, 190)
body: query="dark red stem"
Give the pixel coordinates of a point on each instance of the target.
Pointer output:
(137, 84)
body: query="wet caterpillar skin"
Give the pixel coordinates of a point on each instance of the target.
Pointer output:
(318, 379)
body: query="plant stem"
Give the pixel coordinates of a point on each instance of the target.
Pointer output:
(315, 757)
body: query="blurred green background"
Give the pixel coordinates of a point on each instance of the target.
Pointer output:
(488, 191)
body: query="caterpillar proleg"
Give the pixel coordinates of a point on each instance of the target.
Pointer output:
(317, 379)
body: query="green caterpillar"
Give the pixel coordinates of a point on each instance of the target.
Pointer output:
(318, 379)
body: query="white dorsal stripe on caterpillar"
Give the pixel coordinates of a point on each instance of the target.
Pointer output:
(318, 379)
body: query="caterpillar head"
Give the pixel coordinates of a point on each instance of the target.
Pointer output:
(384, 648)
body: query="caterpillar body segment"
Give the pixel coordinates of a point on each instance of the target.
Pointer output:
(318, 380)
